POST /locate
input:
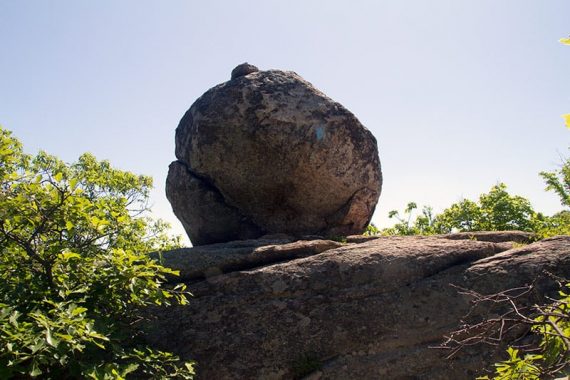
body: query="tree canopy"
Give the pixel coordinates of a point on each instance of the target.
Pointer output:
(496, 210)
(74, 269)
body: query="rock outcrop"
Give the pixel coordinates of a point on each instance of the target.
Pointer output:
(521, 237)
(266, 152)
(278, 309)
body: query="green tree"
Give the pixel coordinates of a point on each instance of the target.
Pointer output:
(461, 216)
(557, 224)
(501, 211)
(423, 224)
(496, 210)
(74, 270)
(559, 182)
(404, 226)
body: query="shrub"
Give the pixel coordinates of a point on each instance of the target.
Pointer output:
(550, 358)
(496, 210)
(74, 274)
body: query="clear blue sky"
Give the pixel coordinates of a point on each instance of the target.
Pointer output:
(460, 94)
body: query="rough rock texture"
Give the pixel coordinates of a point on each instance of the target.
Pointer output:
(495, 236)
(360, 311)
(243, 69)
(266, 152)
(212, 260)
(520, 237)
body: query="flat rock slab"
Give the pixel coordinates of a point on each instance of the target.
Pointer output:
(494, 236)
(358, 311)
(211, 260)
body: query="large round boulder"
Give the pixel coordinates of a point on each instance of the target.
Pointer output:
(266, 152)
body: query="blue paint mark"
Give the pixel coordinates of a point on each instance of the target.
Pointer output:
(320, 133)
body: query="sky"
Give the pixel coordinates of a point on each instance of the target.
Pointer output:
(460, 94)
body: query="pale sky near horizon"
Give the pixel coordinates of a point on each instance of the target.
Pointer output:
(460, 94)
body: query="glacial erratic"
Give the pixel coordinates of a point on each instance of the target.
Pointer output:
(266, 152)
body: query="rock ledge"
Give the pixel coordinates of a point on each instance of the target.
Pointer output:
(359, 310)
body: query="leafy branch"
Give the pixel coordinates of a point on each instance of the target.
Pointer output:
(545, 355)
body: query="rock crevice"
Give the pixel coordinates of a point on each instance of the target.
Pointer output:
(208, 217)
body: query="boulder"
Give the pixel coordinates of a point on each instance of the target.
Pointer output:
(266, 152)
(370, 310)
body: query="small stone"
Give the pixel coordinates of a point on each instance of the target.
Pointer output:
(243, 69)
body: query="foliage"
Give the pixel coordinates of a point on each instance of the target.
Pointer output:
(371, 230)
(462, 216)
(501, 211)
(496, 210)
(516, 368)
(403, 225)
(557, 224)
(552, 325)
(74, 274)
(423, 224)
(559, 182)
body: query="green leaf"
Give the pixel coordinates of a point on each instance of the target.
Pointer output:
(66, 256)
(14, 318)
(35, 371)
(37, 346)
(78, 310)
(116, 374)
(50, 339)
(65, 337)
(130, 368)
(189, 366)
